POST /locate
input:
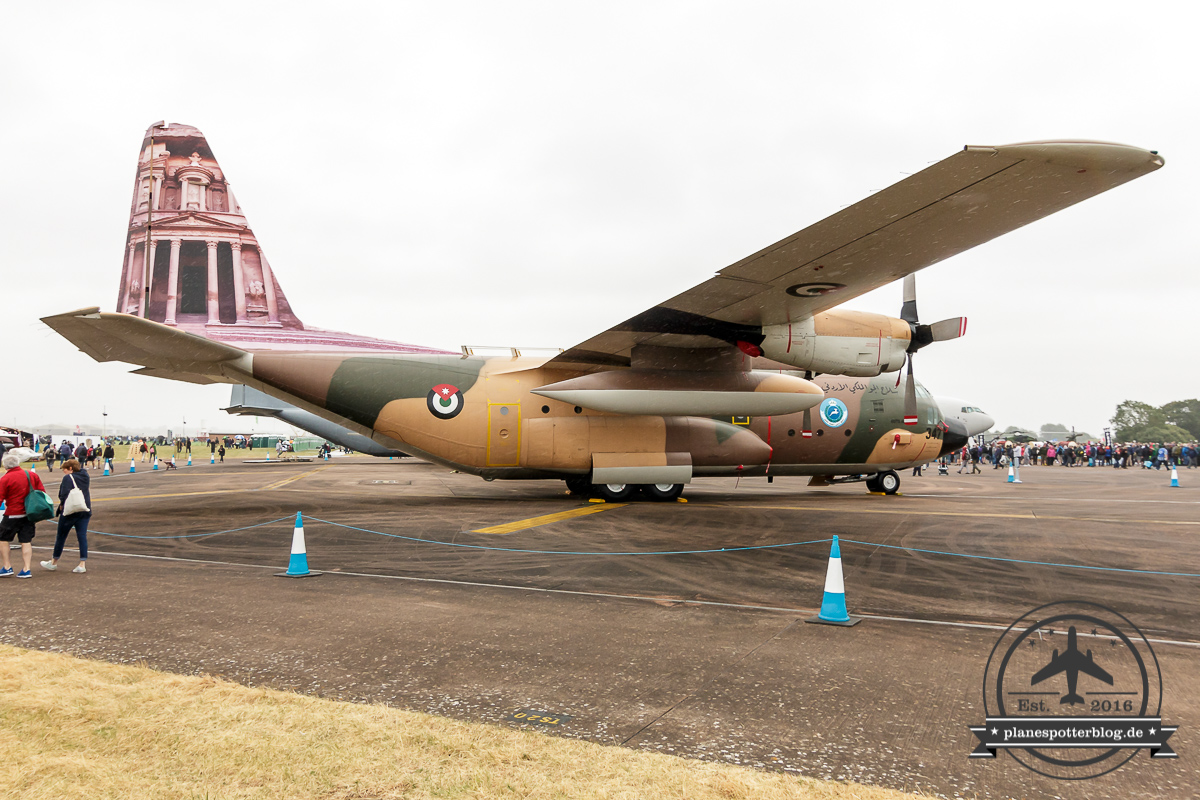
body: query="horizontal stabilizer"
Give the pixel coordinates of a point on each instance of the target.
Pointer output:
(248, 401)
(167, 351)
(186, 377)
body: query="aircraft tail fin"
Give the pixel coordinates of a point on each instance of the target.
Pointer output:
(1071, 699)
(192, 262)
(187, 233)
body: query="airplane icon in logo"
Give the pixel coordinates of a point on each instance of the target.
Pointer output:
(1071, 662)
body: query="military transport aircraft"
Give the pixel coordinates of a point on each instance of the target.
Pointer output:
(975, 419)
(752, 372)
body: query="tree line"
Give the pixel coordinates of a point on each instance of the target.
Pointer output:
(1178, 421)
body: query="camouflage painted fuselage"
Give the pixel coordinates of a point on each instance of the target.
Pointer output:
(479, 415)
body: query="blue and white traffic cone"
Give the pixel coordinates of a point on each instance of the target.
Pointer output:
(268, 455)
(106, 472)
(833, 605)
(155, 464)
(298, 565)
(189, 459)
(1174, 477)
(132, 465)
(212, 458)
(1011, 477)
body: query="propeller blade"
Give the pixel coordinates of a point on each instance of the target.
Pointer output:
(948, 329)
(910, 395)
(806, 429)
(908, 310)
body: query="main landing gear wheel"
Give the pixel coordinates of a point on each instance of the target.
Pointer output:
(663, 492)
(614, 492)
(888, 482)
(579, 485)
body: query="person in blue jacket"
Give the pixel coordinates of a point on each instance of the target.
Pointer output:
(74, 476)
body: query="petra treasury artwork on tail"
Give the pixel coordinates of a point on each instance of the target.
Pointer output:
(754, 371)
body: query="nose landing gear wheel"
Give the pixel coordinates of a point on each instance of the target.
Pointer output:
(889, 482)
(662, 492)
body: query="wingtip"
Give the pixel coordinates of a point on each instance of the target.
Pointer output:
(1085, 154)
(93, 311)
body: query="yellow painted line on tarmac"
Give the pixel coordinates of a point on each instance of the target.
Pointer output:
(972, 514)
(286, 481)
(546, 519)
(268, 487)
(170, 494)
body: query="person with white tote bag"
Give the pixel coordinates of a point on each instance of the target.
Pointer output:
(75, 512)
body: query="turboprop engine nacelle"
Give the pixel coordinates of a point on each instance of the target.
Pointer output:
(840, 342)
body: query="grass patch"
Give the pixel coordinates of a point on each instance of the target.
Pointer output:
(76, 728)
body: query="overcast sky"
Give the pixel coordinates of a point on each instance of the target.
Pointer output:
(529, 174)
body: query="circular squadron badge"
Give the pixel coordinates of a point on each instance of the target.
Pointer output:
(445, 401)
(1072, 690)
(834, 412)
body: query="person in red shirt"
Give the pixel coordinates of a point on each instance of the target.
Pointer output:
(14, 486)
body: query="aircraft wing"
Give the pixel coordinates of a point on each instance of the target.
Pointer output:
(1056, 665)
(969, 198)
(1091, 668)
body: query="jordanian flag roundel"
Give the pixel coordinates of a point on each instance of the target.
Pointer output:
(445, 401)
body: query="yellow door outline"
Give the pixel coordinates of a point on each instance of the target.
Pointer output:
(516, 445)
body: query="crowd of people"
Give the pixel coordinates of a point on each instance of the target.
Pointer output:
(145, 449)
(85, 454)
(19, 486)
(1146, 455)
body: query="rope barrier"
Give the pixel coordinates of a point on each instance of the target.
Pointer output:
(572, 552)
(1022, 561)
(742, 548)
(191, 535)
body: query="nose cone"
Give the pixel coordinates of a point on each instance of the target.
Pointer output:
(956, 437)
(950, 406)
(713, 443)
(972, 417)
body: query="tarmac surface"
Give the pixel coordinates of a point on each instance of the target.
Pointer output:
(619, 635)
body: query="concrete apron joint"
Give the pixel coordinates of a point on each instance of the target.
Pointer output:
(710, 681)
